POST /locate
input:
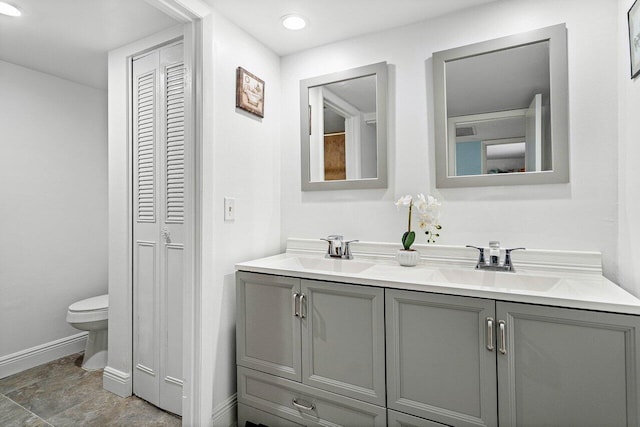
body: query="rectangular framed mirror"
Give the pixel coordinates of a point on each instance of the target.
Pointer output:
(501, 111)
(343, 129)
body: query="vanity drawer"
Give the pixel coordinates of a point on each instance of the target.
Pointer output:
(400, 419)
(288, 399)
(248, 416)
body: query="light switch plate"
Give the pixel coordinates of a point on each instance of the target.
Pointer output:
(229, 209)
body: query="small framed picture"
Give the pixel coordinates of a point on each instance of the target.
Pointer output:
(634, 37)
(249, 92)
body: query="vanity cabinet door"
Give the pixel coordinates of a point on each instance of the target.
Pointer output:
(267, 327)
(441, 364)
(343, 340)
(564, 367)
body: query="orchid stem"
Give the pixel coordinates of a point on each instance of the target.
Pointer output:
(410, 208)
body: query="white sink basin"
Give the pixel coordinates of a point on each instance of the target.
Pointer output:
(494, 279)
(324, 264)
(385, 272)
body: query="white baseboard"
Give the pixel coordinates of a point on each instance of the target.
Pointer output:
(225, 414)
(117, 382)
(44, 353)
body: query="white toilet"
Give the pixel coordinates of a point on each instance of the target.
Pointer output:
(91, 315)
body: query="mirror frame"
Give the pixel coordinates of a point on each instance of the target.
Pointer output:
(556, 35)
(380, 71)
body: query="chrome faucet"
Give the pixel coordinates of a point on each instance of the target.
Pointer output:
(338, 248)
(493, 263)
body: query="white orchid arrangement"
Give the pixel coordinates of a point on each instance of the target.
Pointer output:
(428, 213)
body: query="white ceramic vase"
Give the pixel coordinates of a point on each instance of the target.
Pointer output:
(408, 258)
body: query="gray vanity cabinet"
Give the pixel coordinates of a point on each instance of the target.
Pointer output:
(555, 366)
(564, 367)
(439, 366)
(312, 353)
(321, 336)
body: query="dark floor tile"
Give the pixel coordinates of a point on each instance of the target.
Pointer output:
(66, 367)
(54, 395)
(137, 412)
(62, 394)
(111, 410)
(13, 415)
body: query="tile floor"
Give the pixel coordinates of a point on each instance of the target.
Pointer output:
(62, 394)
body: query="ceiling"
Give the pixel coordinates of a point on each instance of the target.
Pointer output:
(476, 85)
(329, 20)
(71, 38)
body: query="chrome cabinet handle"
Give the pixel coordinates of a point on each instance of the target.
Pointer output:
(503, 336)
(306, 408)
(303, 306)
(490, 346)
(296, 309)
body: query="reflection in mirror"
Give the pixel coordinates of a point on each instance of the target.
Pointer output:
(501, 111)
(477, 141)
(343, 144)
(343, 132)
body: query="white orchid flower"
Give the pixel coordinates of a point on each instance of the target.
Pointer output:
(404, 201)
(421, 203)
(427, 219)
(427, 211)
(432, 202)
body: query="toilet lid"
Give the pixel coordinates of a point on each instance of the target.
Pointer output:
(91, 304)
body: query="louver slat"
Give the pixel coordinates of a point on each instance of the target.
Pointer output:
(175, 142)
(145, 156)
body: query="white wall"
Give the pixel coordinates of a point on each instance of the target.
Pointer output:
(246, 166)
(53, 214)
(629, 159)
(581, 215)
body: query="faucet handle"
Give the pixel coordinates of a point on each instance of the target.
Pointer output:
(346, 253)
(507, 258)
(480, 256)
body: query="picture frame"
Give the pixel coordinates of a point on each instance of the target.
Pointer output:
(633, 17)
(249, 92)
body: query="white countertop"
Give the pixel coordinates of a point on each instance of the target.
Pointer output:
(582, 291)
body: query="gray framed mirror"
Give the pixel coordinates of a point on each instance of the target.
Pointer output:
(501, 111)
(343, 129)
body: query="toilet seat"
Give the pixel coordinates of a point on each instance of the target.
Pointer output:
(89, 310)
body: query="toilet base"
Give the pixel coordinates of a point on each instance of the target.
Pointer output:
(95, 352)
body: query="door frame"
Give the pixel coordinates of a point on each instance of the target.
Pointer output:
(195, 27)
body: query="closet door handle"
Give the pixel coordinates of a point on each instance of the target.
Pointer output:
(490, 346)
(306, 408)
(303, 306)
(166, 234)
(296, 307)
(503, 336)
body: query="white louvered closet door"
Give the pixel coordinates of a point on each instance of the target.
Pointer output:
(159, 232)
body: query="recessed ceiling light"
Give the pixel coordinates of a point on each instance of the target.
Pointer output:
(9, 10)
(293, 22)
